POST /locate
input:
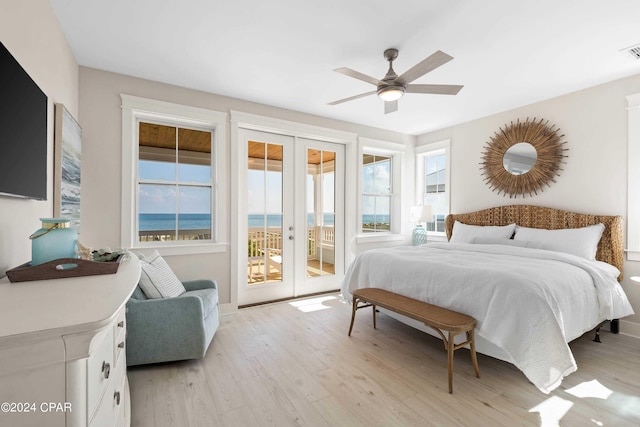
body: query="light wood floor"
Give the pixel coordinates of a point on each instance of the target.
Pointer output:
(281, 365)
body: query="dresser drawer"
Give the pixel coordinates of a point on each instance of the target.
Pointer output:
(100, 369)
(111, 408)
(120, 335)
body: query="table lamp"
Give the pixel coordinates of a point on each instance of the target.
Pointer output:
(420, 214)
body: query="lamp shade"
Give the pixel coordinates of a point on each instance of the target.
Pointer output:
(421, 213)
(391, 93)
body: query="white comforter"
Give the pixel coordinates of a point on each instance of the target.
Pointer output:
(528, 302)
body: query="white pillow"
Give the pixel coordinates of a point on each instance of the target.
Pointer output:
(157, 280)
(582, 242)
(508, 242)
(464, 233)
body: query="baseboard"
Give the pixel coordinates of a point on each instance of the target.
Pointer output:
(228, 308)
(630, 328)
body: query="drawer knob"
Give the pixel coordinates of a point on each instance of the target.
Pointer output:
(121, 324)
(106, 369)
(121, 345)
(116, 397)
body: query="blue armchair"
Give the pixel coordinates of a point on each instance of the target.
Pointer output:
(168, 329)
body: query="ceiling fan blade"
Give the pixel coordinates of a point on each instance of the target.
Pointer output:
(435, 89)
(390, 106)
(357, 75)
(351, 98)
(421, 68)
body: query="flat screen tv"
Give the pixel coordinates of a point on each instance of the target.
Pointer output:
(23, 132)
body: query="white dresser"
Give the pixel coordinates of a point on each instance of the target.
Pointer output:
(62, 350)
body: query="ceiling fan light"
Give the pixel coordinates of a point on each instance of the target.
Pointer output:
(390, 93)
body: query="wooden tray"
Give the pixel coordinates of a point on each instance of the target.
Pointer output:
(48, 270)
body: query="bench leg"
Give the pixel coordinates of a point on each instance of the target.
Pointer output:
(450, 350)
(472, 347)
(353, 313)
(374, 315)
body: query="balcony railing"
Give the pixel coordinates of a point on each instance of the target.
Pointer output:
(271, 238)
(168, 235)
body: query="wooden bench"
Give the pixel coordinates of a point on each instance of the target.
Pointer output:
(438, 318)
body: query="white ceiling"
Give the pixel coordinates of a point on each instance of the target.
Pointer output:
(282, 52)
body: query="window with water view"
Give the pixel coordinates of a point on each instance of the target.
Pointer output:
(376, 193)
(175, 183)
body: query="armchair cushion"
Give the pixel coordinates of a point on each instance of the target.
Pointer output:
(156, 279)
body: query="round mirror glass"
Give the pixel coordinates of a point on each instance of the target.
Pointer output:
(519, 158)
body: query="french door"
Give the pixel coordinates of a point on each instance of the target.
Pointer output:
(294, 221)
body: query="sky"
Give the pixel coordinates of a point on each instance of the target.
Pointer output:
(158, 197)
(376, 179)
(161, 198)
(256, 203)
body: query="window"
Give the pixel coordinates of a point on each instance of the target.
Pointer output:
(433, 182)
(171, 157)
(175, 183)
(633, 176)
(377, 193)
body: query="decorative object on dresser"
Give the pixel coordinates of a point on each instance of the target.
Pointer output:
(420, 214)
(65, 345)
(54, 255)
(523, 157)
(68, 149)
(62, 268)
(54, 240)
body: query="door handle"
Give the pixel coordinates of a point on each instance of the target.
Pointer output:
(290, 237)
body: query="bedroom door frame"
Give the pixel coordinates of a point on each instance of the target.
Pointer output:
(297, 281)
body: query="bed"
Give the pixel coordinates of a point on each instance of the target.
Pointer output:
(529, 302)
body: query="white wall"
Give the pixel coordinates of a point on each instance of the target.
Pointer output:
(594, 179)
(30, 31)
(100, 118)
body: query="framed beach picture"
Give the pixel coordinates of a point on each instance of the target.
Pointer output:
(66, 187)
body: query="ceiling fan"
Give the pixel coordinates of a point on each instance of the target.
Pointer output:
(392, 87)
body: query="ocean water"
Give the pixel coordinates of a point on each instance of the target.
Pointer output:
(276, 220)
(153, 221)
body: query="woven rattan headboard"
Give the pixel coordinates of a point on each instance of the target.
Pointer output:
(610, 248)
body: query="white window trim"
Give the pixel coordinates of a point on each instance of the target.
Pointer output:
(397, 153)
(430, 149)
(633, 177)
(134, 108)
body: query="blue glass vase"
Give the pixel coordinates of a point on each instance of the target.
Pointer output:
(53, 241)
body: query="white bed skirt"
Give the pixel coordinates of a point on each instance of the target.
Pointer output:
(482, 346)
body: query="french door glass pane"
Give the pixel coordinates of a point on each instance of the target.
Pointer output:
(320, 212)
(264, 206)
